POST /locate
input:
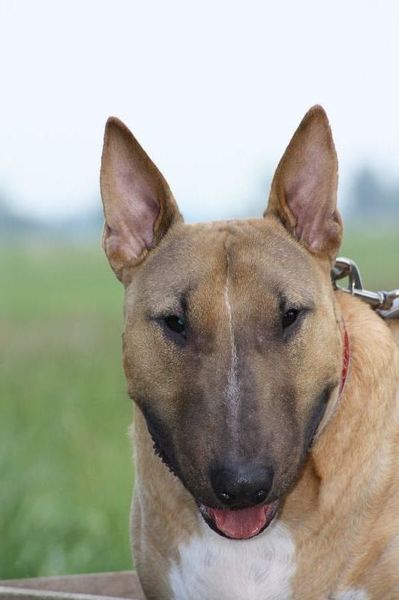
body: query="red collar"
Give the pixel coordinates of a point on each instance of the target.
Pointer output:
(346, 357)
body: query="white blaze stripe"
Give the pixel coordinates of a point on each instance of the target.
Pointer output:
(232, 391)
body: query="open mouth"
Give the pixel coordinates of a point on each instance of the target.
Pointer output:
(242, 523)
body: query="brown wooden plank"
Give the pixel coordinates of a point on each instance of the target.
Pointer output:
(12, 593)
(122, 584)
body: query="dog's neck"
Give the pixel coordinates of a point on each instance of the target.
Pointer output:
(363, 390)
(346, 473)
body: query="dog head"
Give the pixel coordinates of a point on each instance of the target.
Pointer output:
(232, 350)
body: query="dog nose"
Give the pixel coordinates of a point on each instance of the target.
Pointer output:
(242, 484)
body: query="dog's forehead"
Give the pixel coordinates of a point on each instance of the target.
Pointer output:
(252, 253)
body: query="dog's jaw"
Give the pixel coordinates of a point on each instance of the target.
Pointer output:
(236, 524)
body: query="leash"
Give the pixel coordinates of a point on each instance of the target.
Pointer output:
(386, 304)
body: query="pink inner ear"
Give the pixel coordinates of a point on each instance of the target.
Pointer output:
(136, 212)
(307, 202)
(146, 215)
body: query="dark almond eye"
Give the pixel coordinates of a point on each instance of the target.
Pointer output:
(289, 317)
(175, 324)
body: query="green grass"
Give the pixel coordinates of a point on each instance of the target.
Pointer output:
(376, 254)
(65, 467)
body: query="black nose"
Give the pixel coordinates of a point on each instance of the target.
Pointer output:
(241, 484)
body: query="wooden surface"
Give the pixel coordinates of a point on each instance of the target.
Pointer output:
(123, 584)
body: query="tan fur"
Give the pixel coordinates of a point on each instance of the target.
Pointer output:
(393, 325)
(156, 503)
(341, 503)
(345, 541)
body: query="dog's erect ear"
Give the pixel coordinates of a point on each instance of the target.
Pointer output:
(304, 188)
(139, 207)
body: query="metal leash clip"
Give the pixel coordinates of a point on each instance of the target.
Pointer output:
(385, 303)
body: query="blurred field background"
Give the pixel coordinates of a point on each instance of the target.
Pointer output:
(65, 467)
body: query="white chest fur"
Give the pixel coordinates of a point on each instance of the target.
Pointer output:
(352, 594)
(215, 568)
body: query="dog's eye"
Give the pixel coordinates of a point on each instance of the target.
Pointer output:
(289, 317)
(176, 324)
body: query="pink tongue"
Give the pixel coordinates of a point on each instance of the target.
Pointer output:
(239, 524)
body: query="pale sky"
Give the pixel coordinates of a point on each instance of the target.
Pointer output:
(213, 90)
